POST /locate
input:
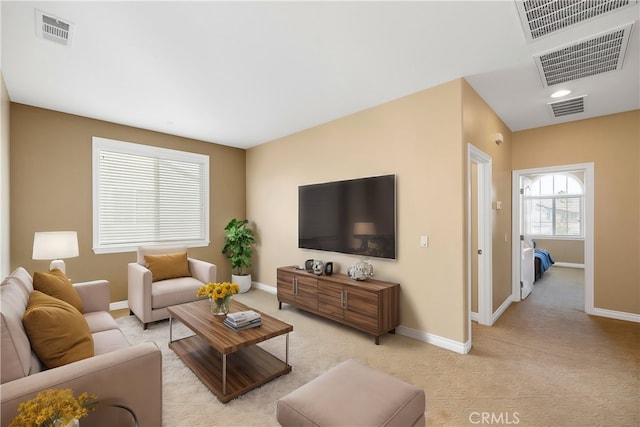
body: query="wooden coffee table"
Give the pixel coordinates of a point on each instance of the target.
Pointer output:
(228, 362)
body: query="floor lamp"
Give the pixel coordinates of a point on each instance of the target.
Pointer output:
(55, 245)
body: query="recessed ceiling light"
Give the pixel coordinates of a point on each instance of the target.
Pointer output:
(560, 93)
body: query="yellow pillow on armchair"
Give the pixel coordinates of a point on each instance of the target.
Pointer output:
(168, 266)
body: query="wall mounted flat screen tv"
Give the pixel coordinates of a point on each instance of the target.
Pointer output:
(356, 216)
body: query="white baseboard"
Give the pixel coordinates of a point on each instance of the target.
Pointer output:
(619, 315)
(496, 315)
(119, 305)
(568, 264)
(263, 287)
(446, 343)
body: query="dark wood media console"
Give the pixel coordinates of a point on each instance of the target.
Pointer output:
(370, 305)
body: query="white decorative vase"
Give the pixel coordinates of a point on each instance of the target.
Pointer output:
(361, 270)
(243, 281)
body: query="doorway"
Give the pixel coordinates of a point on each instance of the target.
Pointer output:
(518, 220)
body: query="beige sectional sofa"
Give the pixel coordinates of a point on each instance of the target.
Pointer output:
(118, 373)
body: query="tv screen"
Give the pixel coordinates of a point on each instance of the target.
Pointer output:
(356, 216)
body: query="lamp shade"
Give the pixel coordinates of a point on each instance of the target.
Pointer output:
(55, 245)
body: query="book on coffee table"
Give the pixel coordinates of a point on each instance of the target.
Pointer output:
(241, 316)
(252, 324)
(243, 320)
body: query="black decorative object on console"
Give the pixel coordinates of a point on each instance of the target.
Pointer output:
(328, 268)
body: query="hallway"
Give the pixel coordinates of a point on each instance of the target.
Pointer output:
(560, 290)
(554, 358)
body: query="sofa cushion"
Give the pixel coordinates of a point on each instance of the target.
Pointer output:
(15, 349)
(21, 276)
(108, 341)
(58, 332)
(99, 321)
(56, 284)
(174, 291)
(168, 266)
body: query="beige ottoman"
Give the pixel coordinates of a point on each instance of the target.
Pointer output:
(352, 394)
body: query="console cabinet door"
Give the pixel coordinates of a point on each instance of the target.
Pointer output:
(307, 292)
(286, 287)
(330, 300)
(298, 289)
(362, 308)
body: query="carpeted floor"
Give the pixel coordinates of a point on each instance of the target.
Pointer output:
(544, 363)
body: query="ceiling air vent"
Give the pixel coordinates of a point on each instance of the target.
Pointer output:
(52, 28)
(542, 17)
(567, 106)
(598, 54)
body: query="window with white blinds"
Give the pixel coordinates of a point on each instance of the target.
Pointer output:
(554, 205)
(144, 195)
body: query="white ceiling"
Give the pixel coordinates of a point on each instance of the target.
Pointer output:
(245, 73)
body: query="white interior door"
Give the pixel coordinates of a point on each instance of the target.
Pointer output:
(480, 248)
(527, 258)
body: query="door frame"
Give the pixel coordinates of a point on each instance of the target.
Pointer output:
(485, 236)
(589, 188)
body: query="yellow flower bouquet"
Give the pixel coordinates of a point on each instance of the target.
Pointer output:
(219, 294)
(50, 407)
(217, 291)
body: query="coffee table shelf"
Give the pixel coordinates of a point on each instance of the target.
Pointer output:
(247, 369)
(228, 362)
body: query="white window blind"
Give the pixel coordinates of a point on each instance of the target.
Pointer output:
(146, 195)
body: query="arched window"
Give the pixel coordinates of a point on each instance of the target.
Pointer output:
(554, 205)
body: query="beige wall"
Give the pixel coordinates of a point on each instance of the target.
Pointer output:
(612, 144)
(419, 138)
(4, 180)
(51, 189)
(570, 251)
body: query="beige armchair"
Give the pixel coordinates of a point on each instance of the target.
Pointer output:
(166, 277)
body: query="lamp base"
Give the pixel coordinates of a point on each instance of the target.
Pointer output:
(59, 264)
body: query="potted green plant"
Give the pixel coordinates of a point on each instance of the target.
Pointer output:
(238, 249)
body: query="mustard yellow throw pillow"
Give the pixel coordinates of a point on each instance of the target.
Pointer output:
(168, 266)
(56, 284)
(58, 333)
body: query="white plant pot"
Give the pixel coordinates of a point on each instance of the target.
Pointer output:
(243, 281)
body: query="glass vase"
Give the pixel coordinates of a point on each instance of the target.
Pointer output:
(74, 422)
(220, 306)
